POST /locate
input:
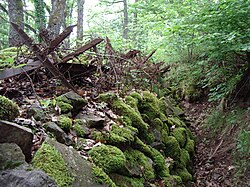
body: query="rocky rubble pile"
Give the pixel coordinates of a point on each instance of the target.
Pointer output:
(135, 141)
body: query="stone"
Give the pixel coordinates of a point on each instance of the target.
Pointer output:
(37, 112)
(8, 109)
(22, 136)
(80, 168)
(91, 120)
(25, 176)
(59, 134)
(11, 156)
(73, 99)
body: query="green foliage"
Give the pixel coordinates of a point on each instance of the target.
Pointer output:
(8, 109)
(243, 144)
(51, 162)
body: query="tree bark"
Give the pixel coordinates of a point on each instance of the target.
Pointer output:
(56, 17)
(80, 8)
(15, 9)
(125, 19)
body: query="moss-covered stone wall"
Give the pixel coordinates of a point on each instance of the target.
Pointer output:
(148, 144)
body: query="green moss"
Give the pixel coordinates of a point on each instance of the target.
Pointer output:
(132, 102)
(101, 177)
(8, 109)
(65, 122)
(172, 147)
(51, 162)
(150, 105)
(124, 181)
(136, 159)
(158, 159)
(65, 107)
(108, 157)
(79, 130)
(99, 136)
(185, 158)
(120, 135)
(181, 135)
(142, 147)
(126, 110)
(177, 122)
(184, 174)
(160, 164)
(137, 96)
(107, 97)
(190, 146)
(173, 181)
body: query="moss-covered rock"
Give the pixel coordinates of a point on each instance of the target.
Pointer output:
(125, 110)
(176, 121)
(65, 122)
(65, 107)
(161, 167)
(79, 130)
(149, 105)
(124, 181)
(181, 135)
(51, 162)
(8, 109)
(185, 157)
(172, 147)
(131, 101)
(138, 165)
(108, 157)
(73, 99)
(173, 181)
(190, 145)
(184, 174)
(120, 134)
(101, 177)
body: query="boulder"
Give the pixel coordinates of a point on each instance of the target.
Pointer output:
(91, 120)
(8, 109)
(11, 156)
(36, 111)
(22, 136)
(59, 134)
(79, 168)
(25, 176)
(75, 100)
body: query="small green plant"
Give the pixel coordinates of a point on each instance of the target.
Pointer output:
(243, 145)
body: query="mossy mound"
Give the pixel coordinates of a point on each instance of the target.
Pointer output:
(138, 165)
(65, 123)
(51, 162)
(155, 142)
(8, 109)
(107, 157)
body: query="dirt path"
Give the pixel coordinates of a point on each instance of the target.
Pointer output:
(213, 161)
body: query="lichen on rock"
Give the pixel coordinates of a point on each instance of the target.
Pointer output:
(8, 109)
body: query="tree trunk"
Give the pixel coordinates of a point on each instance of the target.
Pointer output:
(80, 6)
(40, 14)
(15, 8)
(56, 17)
(125, 19)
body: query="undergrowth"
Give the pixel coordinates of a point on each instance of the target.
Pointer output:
(219, 122)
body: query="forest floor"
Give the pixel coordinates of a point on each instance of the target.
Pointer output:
(214, 164)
